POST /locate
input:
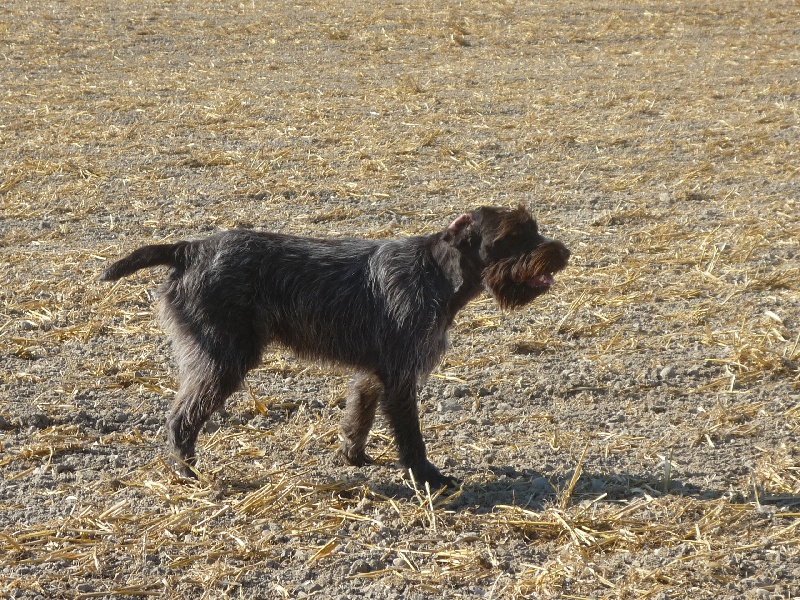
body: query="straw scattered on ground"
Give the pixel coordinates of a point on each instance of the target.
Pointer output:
(632, 435)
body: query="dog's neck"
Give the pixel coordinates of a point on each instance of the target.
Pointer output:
(461, 265)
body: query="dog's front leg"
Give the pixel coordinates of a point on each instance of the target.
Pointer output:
(400, 400)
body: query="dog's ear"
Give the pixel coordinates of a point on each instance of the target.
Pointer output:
(457, 227)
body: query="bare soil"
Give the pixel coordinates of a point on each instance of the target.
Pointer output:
(634, 434)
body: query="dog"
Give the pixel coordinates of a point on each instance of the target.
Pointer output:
(380, 307)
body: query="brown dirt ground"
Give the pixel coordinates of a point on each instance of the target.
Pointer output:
(632, 435)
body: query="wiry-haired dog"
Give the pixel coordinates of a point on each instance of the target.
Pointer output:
(381, 307)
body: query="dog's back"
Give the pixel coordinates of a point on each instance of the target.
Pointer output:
(323, 298)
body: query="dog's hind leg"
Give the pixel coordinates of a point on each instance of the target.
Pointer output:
(208, 374)
(203, 390)
(365, 390)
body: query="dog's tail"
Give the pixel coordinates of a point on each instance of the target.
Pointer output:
(173, 255)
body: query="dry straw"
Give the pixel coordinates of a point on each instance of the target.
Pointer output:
(633, 436)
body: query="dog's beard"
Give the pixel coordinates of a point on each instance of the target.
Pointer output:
(516, 281)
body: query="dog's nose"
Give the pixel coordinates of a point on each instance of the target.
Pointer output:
(564, 252)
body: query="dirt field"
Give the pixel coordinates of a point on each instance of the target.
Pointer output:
(634, 434)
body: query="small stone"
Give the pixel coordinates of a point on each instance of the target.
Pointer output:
(667, 372)
(28, 325)
(377, 565)
(311, 586)
(37, 420)
(659, 407)
(448, 406)
(85, 588)
(360, 566)
(460, 391)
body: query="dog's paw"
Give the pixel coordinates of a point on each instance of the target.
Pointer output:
(355, 459)
(429, 474)
(184, 465)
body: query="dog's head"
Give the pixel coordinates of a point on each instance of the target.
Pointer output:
(518, 263)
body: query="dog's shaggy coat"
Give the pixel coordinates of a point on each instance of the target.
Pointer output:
(381, 307)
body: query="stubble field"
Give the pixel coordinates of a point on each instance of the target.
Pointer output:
(633, 434)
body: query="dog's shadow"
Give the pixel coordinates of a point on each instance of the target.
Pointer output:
(535, 491)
